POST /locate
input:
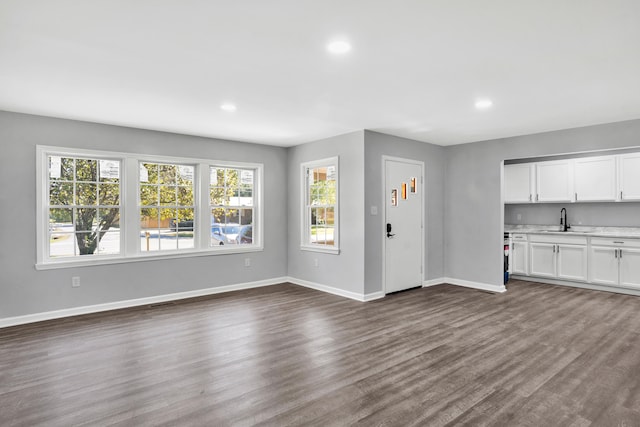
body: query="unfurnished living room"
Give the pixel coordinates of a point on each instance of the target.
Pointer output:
(292, 213)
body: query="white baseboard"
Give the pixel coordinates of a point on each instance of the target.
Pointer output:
(466, 283)
(373, 295)
(335, 291)
(476, 285)
(57, 314)
(583, 285)
(433, 282)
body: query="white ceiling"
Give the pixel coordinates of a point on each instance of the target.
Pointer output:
(415, 68)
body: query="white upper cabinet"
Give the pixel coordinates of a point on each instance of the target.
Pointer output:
(554, 181)
(611, 178)
(630, 176)
(595, 179)
(518, 180)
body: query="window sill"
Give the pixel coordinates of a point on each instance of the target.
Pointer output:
(74, 263)
(334, 251)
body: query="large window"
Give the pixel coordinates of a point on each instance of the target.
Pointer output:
(167, 206)
(320, 205)
(99, 207)
(231, 204)
(83, 206)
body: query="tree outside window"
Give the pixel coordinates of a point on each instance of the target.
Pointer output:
(84, 206)
(320, 229)
(167, 207)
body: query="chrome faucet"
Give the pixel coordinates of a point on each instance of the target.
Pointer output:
(564, 222)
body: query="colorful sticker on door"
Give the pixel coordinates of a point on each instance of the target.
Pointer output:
(413, 186)
(394, 197)
(404, 191)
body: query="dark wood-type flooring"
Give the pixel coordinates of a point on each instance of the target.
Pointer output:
(539, 355)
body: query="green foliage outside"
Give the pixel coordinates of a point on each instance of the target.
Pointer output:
(225, 185)
(322, 193)
(91, 222)
(166, 193)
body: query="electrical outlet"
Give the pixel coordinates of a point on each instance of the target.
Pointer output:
(315, 262)
(247, 262)
(519, 217)
(75, 282)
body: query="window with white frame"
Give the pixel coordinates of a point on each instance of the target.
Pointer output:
(99, 207)
(82, 206)
(167, 206)
(232, 205)
(320, 225)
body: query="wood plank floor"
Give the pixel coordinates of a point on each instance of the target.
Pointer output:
(539, 355)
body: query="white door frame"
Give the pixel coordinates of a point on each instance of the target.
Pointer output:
(384, 215)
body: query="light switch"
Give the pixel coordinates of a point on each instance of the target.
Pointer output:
(374, 210)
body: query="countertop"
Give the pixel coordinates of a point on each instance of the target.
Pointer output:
(578, 230)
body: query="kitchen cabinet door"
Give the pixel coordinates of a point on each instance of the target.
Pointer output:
(603, 265)
(554, 181)
(595, 179)
(630, 176)
(542, 259)
(630, 268)
(572, 262)
(518, 182)
(519, 254)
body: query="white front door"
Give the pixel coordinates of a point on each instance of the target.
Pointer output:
(403, 233)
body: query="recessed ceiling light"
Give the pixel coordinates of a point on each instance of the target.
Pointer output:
(228, 107)
(483, 104)
(339, 47)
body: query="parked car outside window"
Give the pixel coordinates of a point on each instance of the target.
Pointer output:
(245, 235)
(224, 233)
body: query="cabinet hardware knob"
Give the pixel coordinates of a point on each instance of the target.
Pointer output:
(620, 253)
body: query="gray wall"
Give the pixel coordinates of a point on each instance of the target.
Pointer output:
(23, 290)
(473, 206)
(463, 201)
(346, 270)
(376, 145)
(594, 214)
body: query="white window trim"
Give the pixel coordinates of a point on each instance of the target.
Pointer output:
(130, 236)
(305, 245)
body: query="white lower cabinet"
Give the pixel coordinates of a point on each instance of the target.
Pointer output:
(519, 256)
(603, 265)
(615, 262)
(630, 268)
(572, 262)
(558, 257)
(605, 261)
(543, 259)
